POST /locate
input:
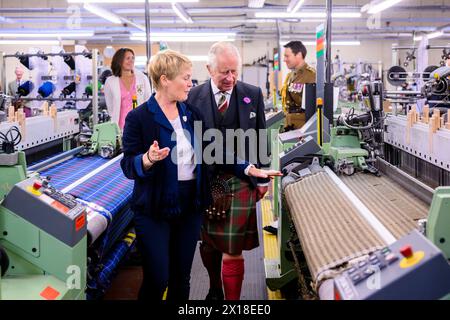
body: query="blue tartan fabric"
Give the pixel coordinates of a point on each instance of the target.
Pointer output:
(108, 188)
(69, 171)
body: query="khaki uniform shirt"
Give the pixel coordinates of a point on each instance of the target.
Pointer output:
(292, 91)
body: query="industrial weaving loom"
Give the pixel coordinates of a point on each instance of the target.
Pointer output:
(107, 189)
(73, 209)
(351, 223)
(333, 232)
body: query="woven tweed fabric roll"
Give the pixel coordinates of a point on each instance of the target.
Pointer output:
(330, 228)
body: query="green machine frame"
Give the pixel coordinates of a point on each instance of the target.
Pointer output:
(40, 266)
(281, 271)
(438, 223)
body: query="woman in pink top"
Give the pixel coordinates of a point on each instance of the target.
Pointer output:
(125, 84)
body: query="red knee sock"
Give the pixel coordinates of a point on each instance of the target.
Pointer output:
(232, 277)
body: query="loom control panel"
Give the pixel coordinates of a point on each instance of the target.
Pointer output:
(411, 268)
(303, 148)
(49, 209)
(65, 199)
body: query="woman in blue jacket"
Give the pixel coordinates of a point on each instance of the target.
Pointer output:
(170, 192)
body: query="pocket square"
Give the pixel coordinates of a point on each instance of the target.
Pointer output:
(252, 115)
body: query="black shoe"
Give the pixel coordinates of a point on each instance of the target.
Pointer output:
(215, 295)
(271, 229)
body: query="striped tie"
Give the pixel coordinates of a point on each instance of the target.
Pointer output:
(223, 103)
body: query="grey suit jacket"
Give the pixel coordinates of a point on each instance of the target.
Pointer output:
(12, 88)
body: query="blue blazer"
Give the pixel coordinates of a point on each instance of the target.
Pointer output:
(156, 190)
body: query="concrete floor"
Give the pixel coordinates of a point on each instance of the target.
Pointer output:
(126, 284)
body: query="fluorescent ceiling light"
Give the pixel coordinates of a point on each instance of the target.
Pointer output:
(128, 1)
(30, 42)
(182, 13)
(431, 35)
(380, 6)
(47, 35)
(294, 5)
(105, 14)
(435, 34)
(256, 3)
(293, 15)
(7, 20)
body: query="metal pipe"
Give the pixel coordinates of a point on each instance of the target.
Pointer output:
(242, 9)
(134, 24)
(402, 92)
(437, 47)
(55, 99)
(148, 45)
(56, 159)
(328, 62)
(95, 86)
(3, 83)
(47, 54)
(404, 47)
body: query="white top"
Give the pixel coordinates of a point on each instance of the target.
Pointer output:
(217, 93)
(184, 153)
(113, 96)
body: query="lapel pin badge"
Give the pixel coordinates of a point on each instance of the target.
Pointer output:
(247, 100)
(184, 118)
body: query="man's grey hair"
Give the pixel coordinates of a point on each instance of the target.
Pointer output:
(19, 68)
(219, 48)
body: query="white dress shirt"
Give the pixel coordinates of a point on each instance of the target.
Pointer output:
(185, 153)
(217, 93)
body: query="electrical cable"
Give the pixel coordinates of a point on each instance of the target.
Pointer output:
(8, 141)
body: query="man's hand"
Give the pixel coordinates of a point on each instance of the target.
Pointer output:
(260, 192)
(260, 173)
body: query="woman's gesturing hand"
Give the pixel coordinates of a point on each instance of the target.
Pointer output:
(154, 154)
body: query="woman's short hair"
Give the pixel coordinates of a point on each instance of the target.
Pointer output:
(169, 63)
(117, 61)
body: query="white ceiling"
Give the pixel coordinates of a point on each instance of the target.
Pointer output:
(229, 15)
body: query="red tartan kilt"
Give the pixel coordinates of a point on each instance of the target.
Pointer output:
(239, 230)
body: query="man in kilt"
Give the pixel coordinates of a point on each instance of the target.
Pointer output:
(229, 104)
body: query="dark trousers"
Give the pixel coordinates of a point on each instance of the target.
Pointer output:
(168, 247)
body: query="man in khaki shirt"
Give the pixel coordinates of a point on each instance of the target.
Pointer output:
(292, 91)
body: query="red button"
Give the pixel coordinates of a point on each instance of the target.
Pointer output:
(407, 251)
(37, 185)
